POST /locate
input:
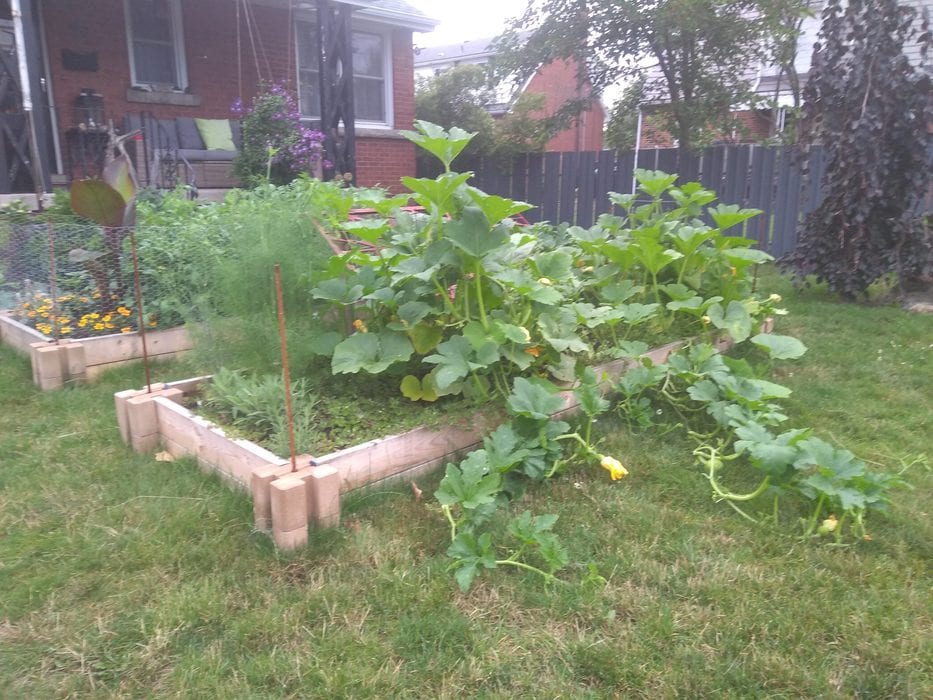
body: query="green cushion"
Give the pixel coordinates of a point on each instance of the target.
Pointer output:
(216, 134)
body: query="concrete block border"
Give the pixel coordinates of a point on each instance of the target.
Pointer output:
(285, 502)
(56, 365)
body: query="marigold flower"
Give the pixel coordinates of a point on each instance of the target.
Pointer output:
(614, 466)
(123, 311)
(126, 329)
(98, 326)
(65, 330)
(360, 326)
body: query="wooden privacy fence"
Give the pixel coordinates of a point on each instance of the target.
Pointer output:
(574, 187)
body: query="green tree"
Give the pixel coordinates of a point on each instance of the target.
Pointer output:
(702, 50)
(621, 129)
(457, 97)
(869, 109)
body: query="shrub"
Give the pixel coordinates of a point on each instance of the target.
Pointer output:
(276, 146)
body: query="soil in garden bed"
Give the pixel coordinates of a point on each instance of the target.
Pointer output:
(338, 411)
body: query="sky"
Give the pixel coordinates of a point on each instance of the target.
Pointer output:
(461, 20)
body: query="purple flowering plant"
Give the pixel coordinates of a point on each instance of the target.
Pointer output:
(277, 146)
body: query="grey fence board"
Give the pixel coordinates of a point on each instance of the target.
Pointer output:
(574, 187)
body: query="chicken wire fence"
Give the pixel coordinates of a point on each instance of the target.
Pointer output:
(73, 281)
(69, 280)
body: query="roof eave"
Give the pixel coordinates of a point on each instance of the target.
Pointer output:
(399, 19)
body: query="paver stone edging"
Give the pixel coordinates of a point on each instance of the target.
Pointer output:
(148, 420)
(58, 364)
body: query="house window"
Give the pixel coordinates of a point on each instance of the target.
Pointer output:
(371, 70)
(155, 38)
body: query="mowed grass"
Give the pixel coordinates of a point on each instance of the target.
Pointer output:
(124, 576)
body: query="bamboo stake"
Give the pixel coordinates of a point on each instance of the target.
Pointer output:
(53, 292)
(139, 309)
(280, 305)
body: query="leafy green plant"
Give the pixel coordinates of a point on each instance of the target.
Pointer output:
(531, 447)
(732, 414)
(468, 300)
(256, 405)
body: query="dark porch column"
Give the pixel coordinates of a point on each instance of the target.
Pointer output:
(338, 116)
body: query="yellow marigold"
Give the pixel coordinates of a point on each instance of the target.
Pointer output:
(126, 329)
(616, 470)
(93, 316)
(31, 314)
(95, 295)
(64, 319)
(109, 326)
(98, 326)
(83, 322)
(123, 311)
(107, 318)
(64, 330)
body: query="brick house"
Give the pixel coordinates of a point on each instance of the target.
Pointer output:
(557, 81)
(194, 58)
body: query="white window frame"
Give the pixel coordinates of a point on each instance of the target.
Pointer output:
(389, 92)
(178, 42)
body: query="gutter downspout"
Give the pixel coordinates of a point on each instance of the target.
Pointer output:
(637, 147)
(17, 13)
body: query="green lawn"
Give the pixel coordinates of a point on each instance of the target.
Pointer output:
(123, 576)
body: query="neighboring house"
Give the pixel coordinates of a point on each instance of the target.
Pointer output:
(557, 81)
(769, 83)
(194, 58)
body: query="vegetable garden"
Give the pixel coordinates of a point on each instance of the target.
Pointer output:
(438, 315)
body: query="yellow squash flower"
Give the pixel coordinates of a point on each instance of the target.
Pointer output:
(616, 470)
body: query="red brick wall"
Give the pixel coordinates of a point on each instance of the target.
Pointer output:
(557, 81)
(211, 55)
(755, 126)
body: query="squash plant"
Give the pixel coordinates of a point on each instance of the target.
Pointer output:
(469, 300)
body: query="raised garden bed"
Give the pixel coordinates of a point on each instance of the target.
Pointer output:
(57, 364)
(286, 502)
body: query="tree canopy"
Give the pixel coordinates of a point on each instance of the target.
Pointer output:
(703, 52)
